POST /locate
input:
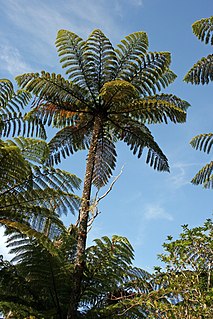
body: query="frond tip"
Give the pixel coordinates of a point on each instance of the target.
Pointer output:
(202, 142)
(203, 29)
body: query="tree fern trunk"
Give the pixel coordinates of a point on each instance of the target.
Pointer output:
(83, 221)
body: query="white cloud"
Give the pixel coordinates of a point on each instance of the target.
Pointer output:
(181, 174)
(12, 61)
(155, 211)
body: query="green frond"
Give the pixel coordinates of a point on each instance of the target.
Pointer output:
(31, 149)
(138, 137)
(69, 140)
(203, 29)
(105, 161)
(128, 51)
(156, 109)
(6, 92)
(201, 72)
(204, 176)
(202, 142)
(12, 121)
(100, 60)
(28, 231)
(71, 48)
(53, 88)
(13, 168)
(151, 72)
(173, 100)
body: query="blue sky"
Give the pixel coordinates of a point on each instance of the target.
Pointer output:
(144, 205)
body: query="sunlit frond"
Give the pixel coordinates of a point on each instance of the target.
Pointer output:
(203, 29)
(128, 51)
(201, 72)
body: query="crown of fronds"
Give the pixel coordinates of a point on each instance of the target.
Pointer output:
(117, 85)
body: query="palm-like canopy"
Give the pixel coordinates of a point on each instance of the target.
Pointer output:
(112, 85)
(110, 96)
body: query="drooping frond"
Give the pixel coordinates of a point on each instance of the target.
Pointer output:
(203, 29)
(138, 137)
(201, 72)
(128, 51)
(204, 176)
(202, 142)
(100, 60)
(69, 140)
(105, 160)
(11, 118)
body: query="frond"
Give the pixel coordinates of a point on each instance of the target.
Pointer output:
(6, 92)
(152, 71)
(105, 160)
(204, 176)
(71, 48)
(203, 29)
(100, 60)
(28, 231)
(201, 72)
(12, 119)
(202, 142)
(156, 109)
(138, 137)
(31, 149)
(54, 89)
(174, 100)
(69, 140)
(128, 51)
(13, 168)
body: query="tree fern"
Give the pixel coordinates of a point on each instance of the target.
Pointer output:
(109, 96)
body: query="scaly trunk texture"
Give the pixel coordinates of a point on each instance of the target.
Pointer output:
(83, 220)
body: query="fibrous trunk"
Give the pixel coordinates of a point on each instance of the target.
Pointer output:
(83, 221)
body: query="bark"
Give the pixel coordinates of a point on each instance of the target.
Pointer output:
(83, 221)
